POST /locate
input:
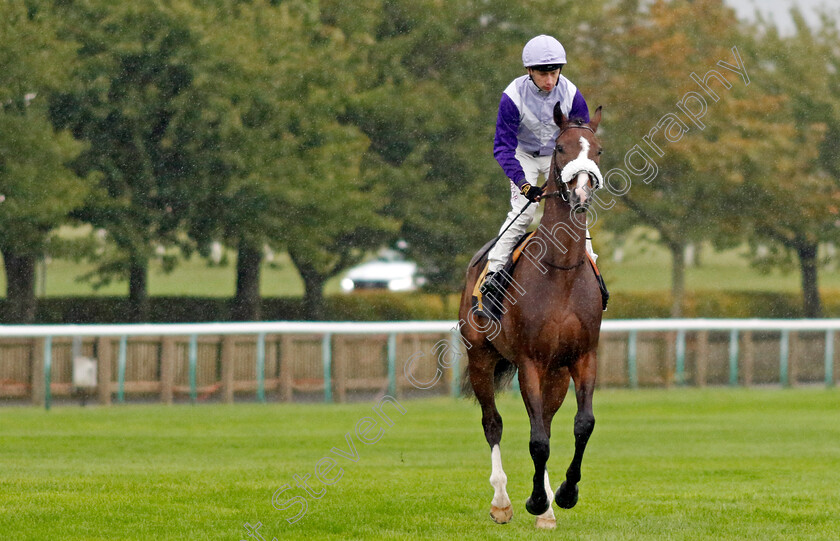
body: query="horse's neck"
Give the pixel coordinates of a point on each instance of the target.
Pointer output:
(565, 231)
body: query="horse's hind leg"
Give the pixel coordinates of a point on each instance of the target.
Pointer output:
(583, 373)
(482, 365)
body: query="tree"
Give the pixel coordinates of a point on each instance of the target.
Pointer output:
(37, 190)
(137, 99)
(299, 180)
(794, 205)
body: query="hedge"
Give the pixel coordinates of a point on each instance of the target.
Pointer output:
(384, 306)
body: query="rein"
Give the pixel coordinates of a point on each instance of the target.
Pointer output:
(559, 267)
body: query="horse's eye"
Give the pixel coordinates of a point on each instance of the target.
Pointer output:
(559, 148)
(600, 151)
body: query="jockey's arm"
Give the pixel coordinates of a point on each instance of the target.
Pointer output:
(505, 143)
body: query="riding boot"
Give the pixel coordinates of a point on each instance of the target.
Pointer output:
(491, 293)
(605, 295)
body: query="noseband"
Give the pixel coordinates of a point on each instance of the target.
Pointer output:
(564, 193)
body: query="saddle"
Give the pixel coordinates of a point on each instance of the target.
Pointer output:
(492, 308)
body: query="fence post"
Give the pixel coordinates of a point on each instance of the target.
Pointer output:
(829, 358)
(260, 367)
(455, 363)
(632, 374)
(733, 357)
(680, 367)
(121, 360)
(784, 342)
(193, 360)
(47, 372)
(228, 367)
(326, 358)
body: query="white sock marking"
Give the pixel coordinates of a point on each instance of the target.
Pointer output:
(498, 479)
(550, 494)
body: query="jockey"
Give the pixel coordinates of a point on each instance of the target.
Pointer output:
(525, 138)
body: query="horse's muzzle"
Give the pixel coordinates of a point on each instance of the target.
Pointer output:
(580, 194)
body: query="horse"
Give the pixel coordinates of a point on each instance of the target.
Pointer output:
(550, 328)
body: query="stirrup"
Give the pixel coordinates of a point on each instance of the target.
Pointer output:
(489, 286)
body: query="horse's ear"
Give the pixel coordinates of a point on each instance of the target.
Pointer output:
(559, 118)
(596, 119)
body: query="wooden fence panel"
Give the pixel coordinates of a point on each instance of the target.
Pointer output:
(360, 364)
(16, 367)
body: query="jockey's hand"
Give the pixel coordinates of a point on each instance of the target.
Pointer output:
(531, 192)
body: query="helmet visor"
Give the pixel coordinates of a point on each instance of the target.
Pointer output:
(548, 67)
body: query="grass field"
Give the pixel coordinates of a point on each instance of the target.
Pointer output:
(679, 464)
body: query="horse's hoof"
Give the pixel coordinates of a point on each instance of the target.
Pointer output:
(566, 498)
(501, 515)
(545, 523)
(537, 508)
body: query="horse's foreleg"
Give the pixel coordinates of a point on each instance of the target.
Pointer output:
(554, 385)
(538, 502)
(583, 373)
(481, 369)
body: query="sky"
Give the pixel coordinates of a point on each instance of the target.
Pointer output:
(779, 10)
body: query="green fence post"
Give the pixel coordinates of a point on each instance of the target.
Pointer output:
(632, 374)
(829, 358)
(261, 367)
(326, 358)
(680, 361)
(121, 360)
(193, 360)
(784, 342)
(47, 371)
(455, 366)
(392, 364)
(733, 357)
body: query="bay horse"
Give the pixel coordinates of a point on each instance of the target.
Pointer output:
(550, 328)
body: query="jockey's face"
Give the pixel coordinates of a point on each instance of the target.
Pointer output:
(546, 80)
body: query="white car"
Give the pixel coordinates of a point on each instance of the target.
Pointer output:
(381, 274)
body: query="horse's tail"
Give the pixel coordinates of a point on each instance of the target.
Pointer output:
(502, 376)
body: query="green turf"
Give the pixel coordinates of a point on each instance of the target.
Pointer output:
(677, 464)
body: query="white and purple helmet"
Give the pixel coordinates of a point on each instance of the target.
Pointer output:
(543, 53)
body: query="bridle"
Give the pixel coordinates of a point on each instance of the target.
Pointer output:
(564, 193)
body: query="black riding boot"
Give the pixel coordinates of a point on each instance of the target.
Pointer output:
(491, 296)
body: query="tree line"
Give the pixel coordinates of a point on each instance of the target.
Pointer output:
(327, 129)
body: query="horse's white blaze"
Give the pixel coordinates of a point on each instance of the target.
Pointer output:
(550, 494)
(498, 479)
(584, 148)
(581, 188)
